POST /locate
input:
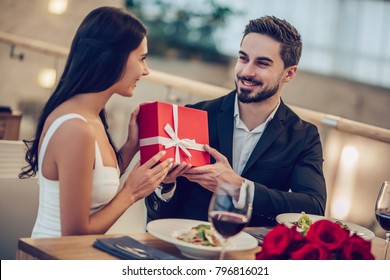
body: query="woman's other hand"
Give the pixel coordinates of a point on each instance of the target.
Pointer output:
(144, 179)
(176, 171)
(131, 146)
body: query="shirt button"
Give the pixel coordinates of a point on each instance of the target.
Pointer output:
(155, 205)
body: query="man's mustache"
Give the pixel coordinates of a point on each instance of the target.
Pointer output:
(250, 80)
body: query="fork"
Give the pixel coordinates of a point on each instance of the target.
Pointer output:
(258, 233)
(258, 236)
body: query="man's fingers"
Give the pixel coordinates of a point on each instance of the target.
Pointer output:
(215, 154)
(199, 170)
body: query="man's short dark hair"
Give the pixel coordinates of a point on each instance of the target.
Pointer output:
(282, 31)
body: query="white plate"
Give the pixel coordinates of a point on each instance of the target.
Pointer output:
(167, 229)
(290, 218)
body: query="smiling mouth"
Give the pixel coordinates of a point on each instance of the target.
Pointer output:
(249, 82)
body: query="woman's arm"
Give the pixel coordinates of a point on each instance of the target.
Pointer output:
(75, 156)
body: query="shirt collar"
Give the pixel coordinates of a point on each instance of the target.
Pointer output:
(237, 118)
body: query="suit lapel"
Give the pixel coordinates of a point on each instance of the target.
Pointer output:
(225, 122)
(272, 131)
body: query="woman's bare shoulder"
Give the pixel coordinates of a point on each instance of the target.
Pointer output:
(76, 130)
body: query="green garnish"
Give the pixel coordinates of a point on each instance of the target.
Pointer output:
(202, 230)
(304, 222)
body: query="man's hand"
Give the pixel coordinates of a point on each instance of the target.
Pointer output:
(212, 175)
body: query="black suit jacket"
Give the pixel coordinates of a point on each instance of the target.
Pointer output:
(286, 166)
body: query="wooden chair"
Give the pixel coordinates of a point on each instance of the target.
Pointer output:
(10, 125)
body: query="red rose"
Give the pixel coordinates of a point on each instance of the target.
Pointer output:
(327, 234)
(324, 240)
(279, 241)
(356, 248)
(263, 255)
(311, 251)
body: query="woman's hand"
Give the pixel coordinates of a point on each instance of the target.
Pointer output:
(176, 171)
(133, 134)
(131, 146)
(144, 179)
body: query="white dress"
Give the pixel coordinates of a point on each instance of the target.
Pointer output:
(104, 187)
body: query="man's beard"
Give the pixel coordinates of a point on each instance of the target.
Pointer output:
(244, 94)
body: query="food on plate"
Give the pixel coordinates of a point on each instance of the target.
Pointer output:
(304, 222)
(343, 225)
(200, 235)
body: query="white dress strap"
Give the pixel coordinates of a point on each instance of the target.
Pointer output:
(52, 129)
(98, 156)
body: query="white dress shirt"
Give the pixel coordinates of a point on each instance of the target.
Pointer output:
(244, 141)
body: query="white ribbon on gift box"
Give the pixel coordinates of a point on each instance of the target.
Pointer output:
(174, 141)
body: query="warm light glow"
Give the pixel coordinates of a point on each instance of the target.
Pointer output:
(349, 155)
(58, 7)
(47, 77)
(345, 183)
(341, 207)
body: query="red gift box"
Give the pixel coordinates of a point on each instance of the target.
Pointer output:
(179, 130)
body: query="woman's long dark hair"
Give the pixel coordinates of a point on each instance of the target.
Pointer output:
(96, 61)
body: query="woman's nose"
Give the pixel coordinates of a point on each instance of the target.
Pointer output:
(146, 70)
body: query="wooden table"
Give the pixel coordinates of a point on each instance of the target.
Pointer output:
(80, 248)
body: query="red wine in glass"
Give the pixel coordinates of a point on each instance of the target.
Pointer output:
(383, 218)
(230, 210)
(382, 211)
(228, 224)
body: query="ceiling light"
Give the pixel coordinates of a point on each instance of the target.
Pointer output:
(58, 7)
(47, 78)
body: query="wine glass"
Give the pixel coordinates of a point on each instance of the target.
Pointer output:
(382, 211)
(230, 211)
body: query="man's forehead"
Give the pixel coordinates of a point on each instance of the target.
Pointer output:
(260, 45)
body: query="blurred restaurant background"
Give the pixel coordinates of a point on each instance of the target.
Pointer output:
(343, 85)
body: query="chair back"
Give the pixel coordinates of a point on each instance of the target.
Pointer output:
(18, 211)
(12, 154)
(18, 198)
(10, 125)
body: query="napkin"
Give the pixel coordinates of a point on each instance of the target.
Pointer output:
(108, 245)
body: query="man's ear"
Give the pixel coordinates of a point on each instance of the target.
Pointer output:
(289, 73)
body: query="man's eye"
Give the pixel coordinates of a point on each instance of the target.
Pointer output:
(263, 63)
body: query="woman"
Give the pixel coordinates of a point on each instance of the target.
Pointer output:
(77, 161)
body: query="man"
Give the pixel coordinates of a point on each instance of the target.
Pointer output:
(255, 137)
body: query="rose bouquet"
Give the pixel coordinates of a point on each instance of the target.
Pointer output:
(324, 240)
